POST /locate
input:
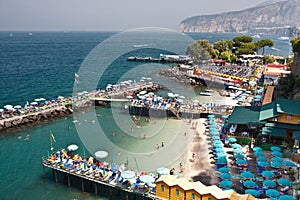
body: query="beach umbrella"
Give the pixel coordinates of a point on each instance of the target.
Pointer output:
(238, 150)
(210, 116)
(269, 184)
(259, 153)
(236, 146)
(288, 163)
(219, 150)
(128, 174)
(268, 174)
(272, 193)
(261, 159)
(221, 155)
(8, 107)
(221, 160)
(277, 154)
(225, 184)
(263, 164)
(147, 179)
(223, 170)
(212, 122)
(286, 197)
(231, 140)
(241, 162)
(17, 107)
(217, 145)
(72, 147)
(217, 142)
(163, 171)
(225, 176)
(247, 174)
(101, 154)
(249, 184)
(214, 133)
(252, 192)
(276, 164)
(224, 116)
(275, 148)
(276, 159)
(215, 137)
(257, 149)
(239, 156)
(34, 103)
(283, 182)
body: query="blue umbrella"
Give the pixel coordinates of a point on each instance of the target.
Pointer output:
(224, 116)
(269, 184)
(283, 182)
(225, 184)
(239, 156)
(225, 176)
(261, 159)
(236, 146)
(221, 155)
(232, 140)
(286, 197)
(268, 174)
(215, 137)
(210, 116)
(249, 184)
(276, 164)
(224, 170)
(217, 145)
(277, 154)
(221, 160)
(252, 192)
(257, 149)
(276, 159)
(217, 142)
(214, 133)
(219, 150)
(288, 163)
(259, 153)
(241, 162)
(272, 193)
(238, 151)
(247, 174)
(263, 164)
(275, 148)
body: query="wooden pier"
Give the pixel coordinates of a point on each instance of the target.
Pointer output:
(89, 183)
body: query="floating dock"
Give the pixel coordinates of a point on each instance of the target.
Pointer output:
(158, 60)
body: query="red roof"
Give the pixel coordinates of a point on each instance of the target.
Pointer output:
(277, 65)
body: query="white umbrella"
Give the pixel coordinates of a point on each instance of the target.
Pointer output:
(143, 92)
(1, 110)
(128, 174)
(72, 147)
(101, 154)
(60, 97)
(147, 179)
(8, 107)
(17, 106)
(33, 103)
(163, 171)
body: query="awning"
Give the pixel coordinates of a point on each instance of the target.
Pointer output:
(274, 132)
(296, 135)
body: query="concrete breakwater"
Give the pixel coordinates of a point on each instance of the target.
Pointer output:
(21, 121)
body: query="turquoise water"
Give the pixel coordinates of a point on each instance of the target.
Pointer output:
(43, 65)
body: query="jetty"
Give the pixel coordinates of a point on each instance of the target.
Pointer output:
(179, 59)
(91, 182)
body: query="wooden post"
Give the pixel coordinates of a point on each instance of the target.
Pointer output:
(68, 176)
(96, 190)
(44, 174)
(110, 193)
(82, 185)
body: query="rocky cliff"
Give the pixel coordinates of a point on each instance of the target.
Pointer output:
(280, 18)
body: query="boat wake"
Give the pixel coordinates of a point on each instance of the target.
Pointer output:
(140, 45)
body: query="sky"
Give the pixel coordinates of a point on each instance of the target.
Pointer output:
(110, 15)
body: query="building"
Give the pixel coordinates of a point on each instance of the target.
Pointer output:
(172, 188)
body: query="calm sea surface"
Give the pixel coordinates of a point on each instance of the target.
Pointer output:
(43, 65)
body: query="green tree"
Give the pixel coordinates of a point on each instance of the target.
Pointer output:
(264, 43)
(268, 59)
(200, 50)
(230, 44)
(288, 86)
(221, 46)
(296, 44)
(225, 55)
(239, 40)
(215, 54)
(247, 48)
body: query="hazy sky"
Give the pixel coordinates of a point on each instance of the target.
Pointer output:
(108, 14)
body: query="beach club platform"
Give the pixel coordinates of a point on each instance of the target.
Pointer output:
(90, 183)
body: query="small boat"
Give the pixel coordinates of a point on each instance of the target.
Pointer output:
(30, 34)
(283, 38)
(256, 36)
(205, 93)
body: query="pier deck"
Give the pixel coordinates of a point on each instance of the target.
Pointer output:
(96, 183)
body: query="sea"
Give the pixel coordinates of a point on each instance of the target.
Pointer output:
(43, 64)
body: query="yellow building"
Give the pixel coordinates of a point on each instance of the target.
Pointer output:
(169, 187)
